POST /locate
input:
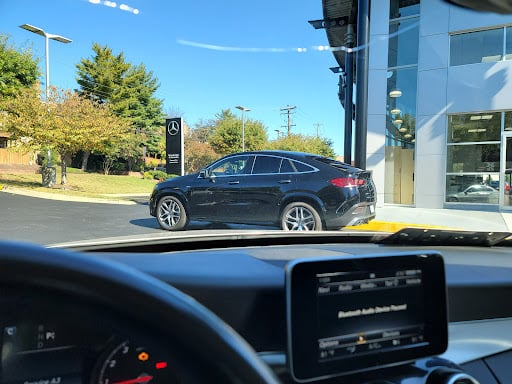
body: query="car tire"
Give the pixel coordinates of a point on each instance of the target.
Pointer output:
(300, 216)
(453, 199)
(171, 214)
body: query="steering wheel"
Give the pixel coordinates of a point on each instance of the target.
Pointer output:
(147, 301)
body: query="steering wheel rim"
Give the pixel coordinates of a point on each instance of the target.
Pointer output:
(163, 308)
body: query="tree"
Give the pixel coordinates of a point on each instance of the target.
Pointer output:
(101, 77)
(302, 143)
(202, 130)
(18, 68)
(198, 155)
(65, 123)
(227, 134)
(128, 89)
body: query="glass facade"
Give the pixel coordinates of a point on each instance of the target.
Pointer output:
(401, 117)
(401, 101)
(481, 46)
(403, 42)
(473, 162)
(403, 8)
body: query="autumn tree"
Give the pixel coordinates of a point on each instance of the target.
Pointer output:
(227, 134)
(303, 143)
(198, 155)
(18, 68)
(65, 122)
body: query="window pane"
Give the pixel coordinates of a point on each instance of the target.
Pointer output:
(231, 166)
(403, 8)
(476, 47)
(474, 127)
(266, 164)
(472, 188)
(286, 167)
(401, 107)
(508, 121)
(403, 43)
(473, 158)
(301, 167)
(508, 46)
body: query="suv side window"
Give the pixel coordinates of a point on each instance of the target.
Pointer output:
(301, 167)
(266, 164)
(287, 167)
(231, 166)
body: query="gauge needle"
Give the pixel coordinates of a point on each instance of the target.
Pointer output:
(137, 380)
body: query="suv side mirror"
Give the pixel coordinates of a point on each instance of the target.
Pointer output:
(203, 174)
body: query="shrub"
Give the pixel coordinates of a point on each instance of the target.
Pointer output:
(157, 175)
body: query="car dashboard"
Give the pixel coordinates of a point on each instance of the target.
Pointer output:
(64, 333)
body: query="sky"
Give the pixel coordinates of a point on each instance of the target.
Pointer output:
(208, 55)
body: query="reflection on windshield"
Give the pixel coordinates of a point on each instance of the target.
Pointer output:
(85, 111)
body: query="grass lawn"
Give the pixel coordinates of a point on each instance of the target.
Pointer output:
(80, 183)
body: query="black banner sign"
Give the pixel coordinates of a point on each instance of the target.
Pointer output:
(175, 163)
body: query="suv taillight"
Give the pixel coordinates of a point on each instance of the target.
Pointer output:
(343, 182)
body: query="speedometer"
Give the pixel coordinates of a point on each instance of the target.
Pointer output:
(132, 364)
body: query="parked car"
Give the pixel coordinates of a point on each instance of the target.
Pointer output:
(496, 185)
(477, 193)
(297, 191)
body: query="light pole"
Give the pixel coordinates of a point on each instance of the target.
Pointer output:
(47, 37)
(243, 109)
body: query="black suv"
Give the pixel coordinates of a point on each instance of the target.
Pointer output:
(297, 191)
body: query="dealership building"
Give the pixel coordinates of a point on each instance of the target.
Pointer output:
(439, 105)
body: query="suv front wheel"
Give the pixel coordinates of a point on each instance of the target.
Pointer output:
(171, 214)
(300, 216)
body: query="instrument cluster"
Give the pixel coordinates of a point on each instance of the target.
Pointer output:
(43, 343)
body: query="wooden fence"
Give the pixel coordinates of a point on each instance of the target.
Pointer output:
(9, 156)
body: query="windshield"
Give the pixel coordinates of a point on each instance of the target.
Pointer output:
(143, 117)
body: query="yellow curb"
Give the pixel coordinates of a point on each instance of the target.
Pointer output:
(387, 226)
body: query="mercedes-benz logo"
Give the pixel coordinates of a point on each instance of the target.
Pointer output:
(173, 128)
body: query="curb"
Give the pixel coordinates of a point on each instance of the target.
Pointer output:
(71, 198)
(389, 226)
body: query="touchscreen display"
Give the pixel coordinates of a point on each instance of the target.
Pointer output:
(350, 315)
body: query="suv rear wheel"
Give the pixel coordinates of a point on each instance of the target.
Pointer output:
(300, 216)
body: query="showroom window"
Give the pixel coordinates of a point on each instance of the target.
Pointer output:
(402, 77)
(473, 157)
(481, 46)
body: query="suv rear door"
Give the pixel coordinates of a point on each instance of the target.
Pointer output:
(262, 191)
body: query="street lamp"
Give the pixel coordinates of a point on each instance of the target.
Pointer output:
(47, 37)
(243, 109)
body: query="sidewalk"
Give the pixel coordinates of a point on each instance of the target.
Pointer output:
(392, 218)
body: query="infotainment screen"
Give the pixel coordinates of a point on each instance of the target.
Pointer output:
(347, 315)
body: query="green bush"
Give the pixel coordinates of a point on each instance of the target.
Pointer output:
(157, 175)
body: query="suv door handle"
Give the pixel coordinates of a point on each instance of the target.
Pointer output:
(287, 181)
(234, 182)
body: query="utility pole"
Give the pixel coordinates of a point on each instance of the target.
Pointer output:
(317, 127)
(288, 111)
